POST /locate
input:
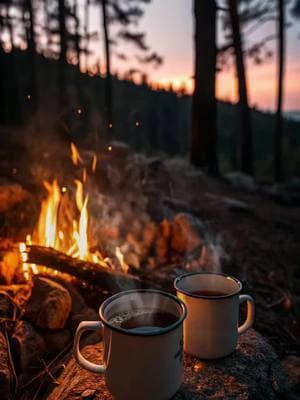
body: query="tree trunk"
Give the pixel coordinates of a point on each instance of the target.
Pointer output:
(62, 53)
(246, 144)
(108, 83)
(86, 33)
(32, 86)
(47, 29)
(14, 108)
(204, 108)
(77, 34)
(278, 159)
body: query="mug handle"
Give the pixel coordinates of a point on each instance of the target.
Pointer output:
(250, 313)
(83, 362)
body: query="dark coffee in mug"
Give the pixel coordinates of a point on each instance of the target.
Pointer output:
(208, 293)
(143, 321)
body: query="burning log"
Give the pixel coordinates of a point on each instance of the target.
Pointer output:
(93, 274)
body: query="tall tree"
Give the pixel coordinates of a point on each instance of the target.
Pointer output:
(108, 81)
(204, 109)
(29, 20)
(246, 139)
(278, 157)
(62, 28)
(86, 32)
(12, 95)
(77, 36)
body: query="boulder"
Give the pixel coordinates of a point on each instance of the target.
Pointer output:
(28, 344)
(291, 364)
(57, 341)
(7, 306)
(86, 314)
(242, 181)
(49, 305)
(253, 371)
(5, 371)
(187, 233)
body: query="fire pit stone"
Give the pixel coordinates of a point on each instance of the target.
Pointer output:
(49, 305)
(29, 345)
(5, 372)
(7, 306)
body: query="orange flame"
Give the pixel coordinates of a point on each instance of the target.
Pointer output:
(63, 227)
(82, 240)
(94, 163)
(75, 155)
(47, 223)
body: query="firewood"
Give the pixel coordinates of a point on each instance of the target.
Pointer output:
(94, 274)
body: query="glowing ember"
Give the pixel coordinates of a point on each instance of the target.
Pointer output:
(94, 163)
(84, 175)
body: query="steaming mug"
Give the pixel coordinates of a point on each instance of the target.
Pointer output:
(138, 365)
(212, 300)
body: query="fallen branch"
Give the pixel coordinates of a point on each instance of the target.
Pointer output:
(93, 274)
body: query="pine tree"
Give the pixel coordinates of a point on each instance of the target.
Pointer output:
(203, 151)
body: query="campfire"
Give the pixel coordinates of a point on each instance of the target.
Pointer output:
(63, 223)
(122, 238)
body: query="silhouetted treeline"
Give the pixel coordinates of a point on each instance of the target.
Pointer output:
(150, 121)
(46, 83)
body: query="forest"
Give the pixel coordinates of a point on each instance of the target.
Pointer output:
(50, 76)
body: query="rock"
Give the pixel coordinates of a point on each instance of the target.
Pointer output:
(252, 372)
(49, 305)
(239, 180)
(231, 204)
(291, 365)
(149, 233)
(186, 233)
(10, 266)
(87, 314)
(11, 195)
(18, 293)
(88, 394)
(7, 306)
(56, 341)
(78, 302)
(29, 345)
(5, 371)
(282, 194)
(176, 205)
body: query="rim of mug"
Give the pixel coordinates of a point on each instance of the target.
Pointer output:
(160, 331)
(225, 296)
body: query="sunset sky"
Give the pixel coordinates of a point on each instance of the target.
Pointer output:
(169, 28)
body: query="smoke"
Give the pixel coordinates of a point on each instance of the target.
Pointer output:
(145, 207)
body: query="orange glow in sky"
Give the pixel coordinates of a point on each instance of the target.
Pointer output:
(169, 25)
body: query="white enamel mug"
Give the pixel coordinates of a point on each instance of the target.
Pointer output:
(211, 327)
(138, 365)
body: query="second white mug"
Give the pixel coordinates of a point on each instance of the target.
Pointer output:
(212, 300)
